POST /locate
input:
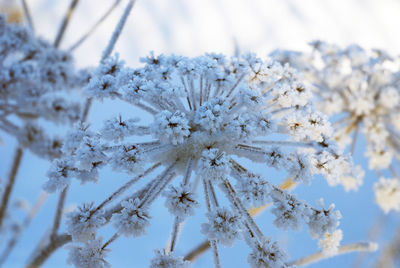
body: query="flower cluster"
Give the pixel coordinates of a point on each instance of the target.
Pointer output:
(209, 113)
(35, 79)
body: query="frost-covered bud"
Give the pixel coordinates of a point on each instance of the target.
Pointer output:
(253, 190)
(299, 168)
(241, 128)
(102, 87)
(82, 224)
(318, 126)
(132, 219)
(75, 137)
(135, 90)
(211, 115)
(59, 175)
(323, 221)
(389, 97)
(288, 210)
(214, 164)
(91, 254)
(110, 66)
(387, 194)
(128, 159)
(275, 157)
(116, 129)
(31, 135)
(223, 226)
(171, 127)
(379, 159)
(90, 155)
(330, 242)
(180, 201)
(58, 110)
(297, 126)
(267, 254)
(162, 260)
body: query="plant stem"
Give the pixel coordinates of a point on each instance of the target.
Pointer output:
(10, 184)
(94, 27)
(57, 242)
(354, 247)
(118, 30)
(65, 22)
(59, 212)
(28, 15)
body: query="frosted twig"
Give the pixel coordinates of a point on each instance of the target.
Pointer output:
(65, 22)
(354, 247)
(10, 183)
(118, 30)
(57, 242)
(28, 15)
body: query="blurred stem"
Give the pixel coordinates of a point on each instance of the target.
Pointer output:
(391, 252)
(44, 253)
(94, 27)
(65, 22)
(10, 184)
(28, 15)
(319, 256)
(59, 212)
(12, 242)
(118, 30)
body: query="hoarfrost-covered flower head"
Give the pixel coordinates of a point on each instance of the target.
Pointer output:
(360, 90)
(209, 114)
(34, 80)
(387, 194)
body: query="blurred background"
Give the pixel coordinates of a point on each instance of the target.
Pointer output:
(191, 28)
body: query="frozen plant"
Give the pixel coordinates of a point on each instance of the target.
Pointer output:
(209, 113)
(360, 90)
(36, 80)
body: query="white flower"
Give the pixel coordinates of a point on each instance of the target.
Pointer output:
(323, 221)
(82, 224)
(387, 194)
(267, 254)
(162, 260)
(132, 219)
(223, 226)
(180, 201)
(90, 255)
(331, 242)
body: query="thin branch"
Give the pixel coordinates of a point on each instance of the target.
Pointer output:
(28, 15)
(65, 22)
(112, 239)
(94, 27)
(12, 242)
(57, 242)
(59, 212)
(123, 188)
(354, 247)
(118, 30)
(10, 184)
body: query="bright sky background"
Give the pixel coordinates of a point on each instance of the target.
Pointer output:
(193, 27)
